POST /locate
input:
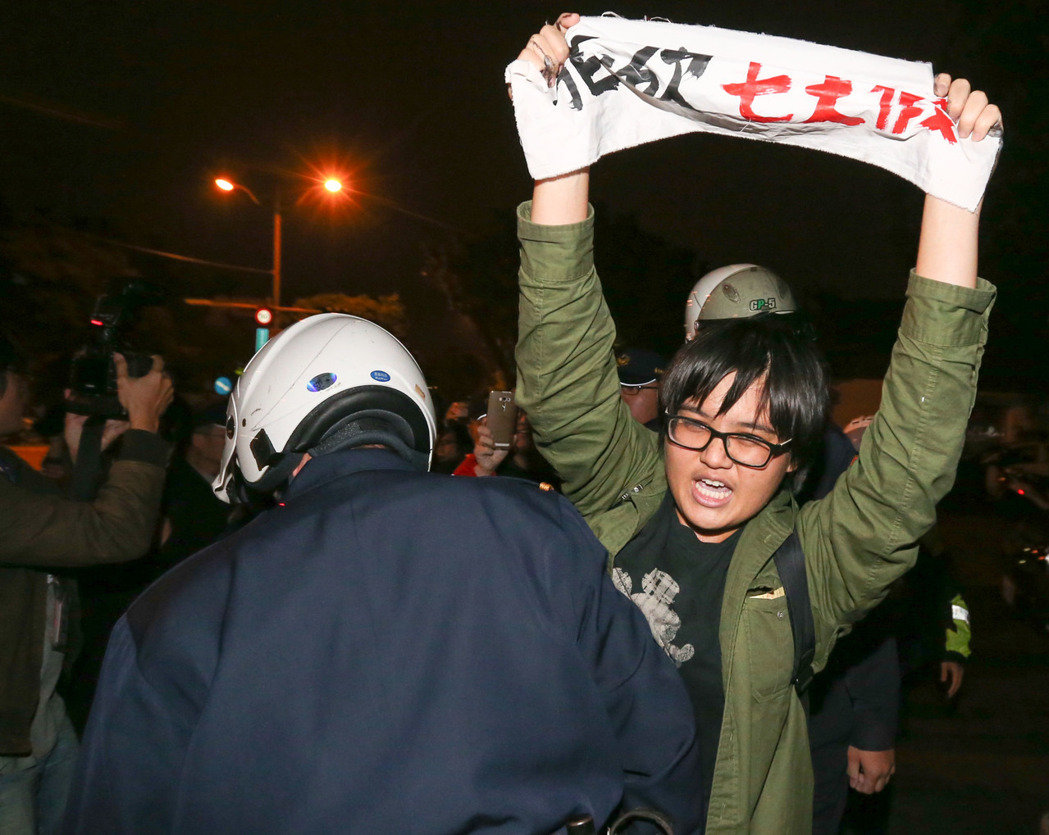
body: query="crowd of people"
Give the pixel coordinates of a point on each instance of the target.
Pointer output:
(340, 606)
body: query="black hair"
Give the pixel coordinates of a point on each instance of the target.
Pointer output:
(11, 359)
(463, 444)
(764, 349)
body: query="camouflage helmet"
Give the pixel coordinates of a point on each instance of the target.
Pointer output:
(736, 292)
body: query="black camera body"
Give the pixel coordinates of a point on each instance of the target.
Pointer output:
(93, 375)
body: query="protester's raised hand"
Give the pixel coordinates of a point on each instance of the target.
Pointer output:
(969, 108)
(547, 49)
(145, 397)
(947, 247)
(565, 198)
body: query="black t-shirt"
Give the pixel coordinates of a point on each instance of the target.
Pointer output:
(679, 582)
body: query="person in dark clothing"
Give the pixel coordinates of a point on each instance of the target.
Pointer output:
(640, 371)
(194, 516)
(854, 701)
(854, 704)
(386, 650)
(452, 446)
(191, 517)
(42, 536)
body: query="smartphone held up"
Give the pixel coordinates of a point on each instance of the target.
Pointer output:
(502, 418)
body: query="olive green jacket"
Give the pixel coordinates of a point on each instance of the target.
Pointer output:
(856, 541)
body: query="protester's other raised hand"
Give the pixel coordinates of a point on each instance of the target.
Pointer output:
(969, 108)
(145, 397)
(947, 247)
(565, 198)
(547, 49)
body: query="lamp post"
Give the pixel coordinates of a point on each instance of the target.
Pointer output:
(276, 249)
(332, 185)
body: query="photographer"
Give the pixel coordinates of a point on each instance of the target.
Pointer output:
(41, 533)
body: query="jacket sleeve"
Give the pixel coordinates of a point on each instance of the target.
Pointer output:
(154, 685)
(643, 693)
(864, 534)
(128, 773)
(49, 530)
(873, 684)
(567, 380)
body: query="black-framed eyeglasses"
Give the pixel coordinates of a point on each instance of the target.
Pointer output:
(746, 450)
(631, 391)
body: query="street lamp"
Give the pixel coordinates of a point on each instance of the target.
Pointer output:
(332, 184)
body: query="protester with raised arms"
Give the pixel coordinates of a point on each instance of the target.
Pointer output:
(694, 516)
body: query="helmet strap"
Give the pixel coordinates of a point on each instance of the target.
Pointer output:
(277, 473)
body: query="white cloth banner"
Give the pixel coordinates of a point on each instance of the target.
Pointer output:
(628, 82)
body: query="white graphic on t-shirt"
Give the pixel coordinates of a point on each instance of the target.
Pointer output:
(658, 591)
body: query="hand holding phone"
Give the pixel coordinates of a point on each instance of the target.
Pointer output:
(502, 418)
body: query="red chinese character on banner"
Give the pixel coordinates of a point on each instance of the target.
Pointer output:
(941, 122)
(827, 93)
(938, 122)
(884, 105)
(754, 87)
(908, 112)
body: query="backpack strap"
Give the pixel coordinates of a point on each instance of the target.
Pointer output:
(790, 563)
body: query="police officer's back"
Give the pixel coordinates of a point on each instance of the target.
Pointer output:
(386, 650)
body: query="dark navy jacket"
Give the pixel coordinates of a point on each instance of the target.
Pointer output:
(388, 651)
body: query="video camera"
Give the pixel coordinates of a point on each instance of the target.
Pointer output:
(93, 376)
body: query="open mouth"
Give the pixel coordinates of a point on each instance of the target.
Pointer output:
(710, 492)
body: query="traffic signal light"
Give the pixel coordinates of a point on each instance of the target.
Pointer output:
(263, 318)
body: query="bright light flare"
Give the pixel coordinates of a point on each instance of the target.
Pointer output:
(224, 184)
(333, 185)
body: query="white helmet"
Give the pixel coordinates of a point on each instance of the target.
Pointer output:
(327, 382)
(753, 290)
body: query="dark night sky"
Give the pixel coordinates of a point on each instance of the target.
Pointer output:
(123, 110)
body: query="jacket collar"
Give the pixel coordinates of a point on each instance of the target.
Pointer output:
(335, 465)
